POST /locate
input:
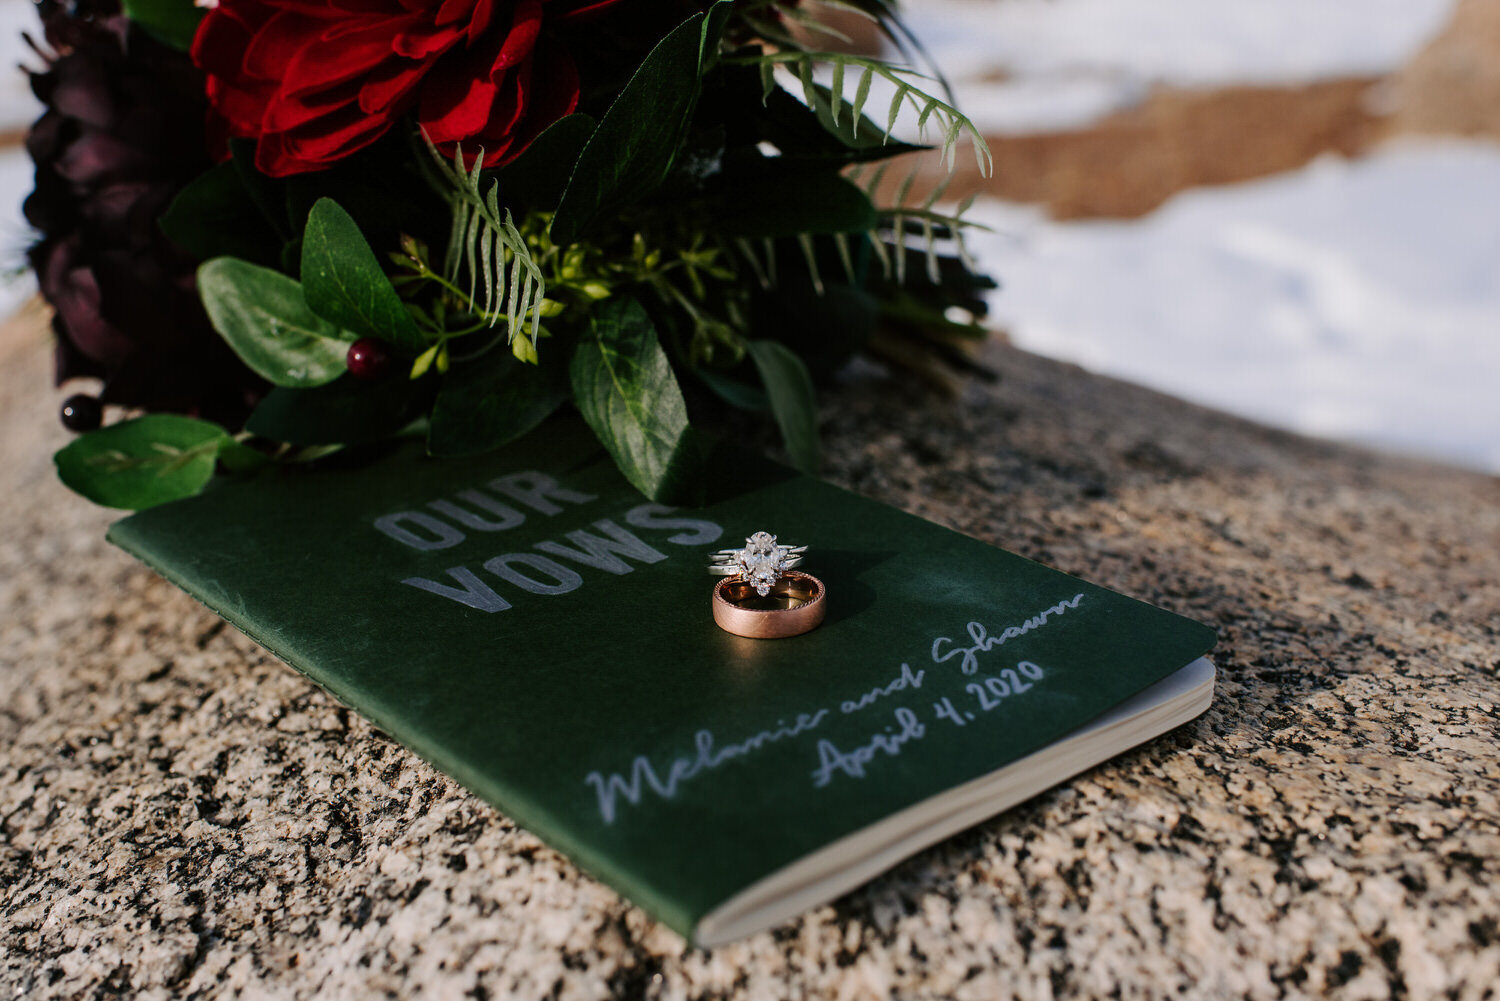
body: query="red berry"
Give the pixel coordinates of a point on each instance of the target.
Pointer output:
(81, 413)
(368, 358)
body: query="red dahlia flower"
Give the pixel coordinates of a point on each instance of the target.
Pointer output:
(316, 80)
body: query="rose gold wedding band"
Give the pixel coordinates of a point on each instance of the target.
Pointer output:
(794, 606)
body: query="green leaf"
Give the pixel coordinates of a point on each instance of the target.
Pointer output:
(633, 149)
(624, 387)
(855, 131)
(237, 457)
(214, 216)
(735, 393)
(142, 462)
(538, 176)
(773, 201)
(803, 133)
(715, 20)
(172, 22)
(263, 317)
(793, 401)
(493, 400)
(268, 193)
(347, 411)
(344, 284)
(827, 327)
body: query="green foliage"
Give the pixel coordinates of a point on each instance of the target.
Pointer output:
(825, 328)
(710, 222)
(740, 395)
(793, 400)
(262, 315)
(344, 284)
(536, 179)
(491, 401)
(772, 201)
(624, 387)
(172, 22)
(214, 216)
(346, 411)
(801, 133)
(483, 241)
(832, 101)
(637, 141)
(266, 193)
(143, 462)
(925, 220)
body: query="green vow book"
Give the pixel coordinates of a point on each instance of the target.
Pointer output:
(534, 628)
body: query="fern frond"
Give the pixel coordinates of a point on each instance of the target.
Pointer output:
(846, 258)
(814, 26)
(484, 242)
(810, 253)
(861, 95)
(931, 225)
(747, 251)
(929, 109)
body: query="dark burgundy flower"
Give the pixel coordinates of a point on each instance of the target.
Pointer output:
(123, 133)
(316, 80)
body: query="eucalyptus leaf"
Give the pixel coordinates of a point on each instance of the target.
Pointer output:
(624, 387)
(793, 400)
(537, 178)
(632, 150)
(347, 411)
(143, 462)
(214, 216)
(715, 20)
(237, 457)
(263, 317)
(735, 393)
(344, 284)
(492, 400)
(172, 22)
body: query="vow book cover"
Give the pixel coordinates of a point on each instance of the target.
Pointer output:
(532, 626)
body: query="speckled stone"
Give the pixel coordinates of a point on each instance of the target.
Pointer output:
(183, 816)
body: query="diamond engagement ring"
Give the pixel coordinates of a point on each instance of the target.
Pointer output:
(760, 564)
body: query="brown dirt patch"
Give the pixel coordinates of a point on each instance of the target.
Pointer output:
(1132, 161)
(1452, 87)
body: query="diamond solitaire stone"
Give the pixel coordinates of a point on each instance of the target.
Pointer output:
(762, 562)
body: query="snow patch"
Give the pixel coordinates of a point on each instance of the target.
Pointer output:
(1351, 299)
(1043, 65)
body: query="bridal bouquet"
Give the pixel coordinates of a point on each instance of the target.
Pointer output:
(275, 229)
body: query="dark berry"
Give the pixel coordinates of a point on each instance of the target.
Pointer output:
(81, 412)
(368, 358)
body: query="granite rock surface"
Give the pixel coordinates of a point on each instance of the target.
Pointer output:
(183, 816)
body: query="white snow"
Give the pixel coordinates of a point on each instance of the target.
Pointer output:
(1356, 300)
(16, 284)
(1042, 65)
(18, 108)
(17, 105)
